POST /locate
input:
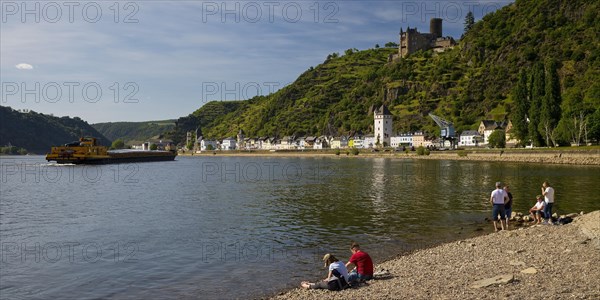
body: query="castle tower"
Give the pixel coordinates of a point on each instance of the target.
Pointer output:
(435, 27)
(240, 140)
(383, 126)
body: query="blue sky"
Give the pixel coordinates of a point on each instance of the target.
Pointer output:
(154, 60)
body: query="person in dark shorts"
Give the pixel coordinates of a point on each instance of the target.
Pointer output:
(508, 205)
(498, 199)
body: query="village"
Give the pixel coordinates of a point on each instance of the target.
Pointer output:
(382, 138)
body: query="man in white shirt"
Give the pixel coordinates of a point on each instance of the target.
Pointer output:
(548, 193)
(498, 199)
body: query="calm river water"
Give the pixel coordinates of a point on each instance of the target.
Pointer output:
(240, 227)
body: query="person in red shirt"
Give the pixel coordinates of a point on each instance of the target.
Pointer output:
(364, 265)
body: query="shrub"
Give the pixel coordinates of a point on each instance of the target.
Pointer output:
(354, 151)
(497, 139)
(420, 150)
(462, 153)
(427, 152)
(337, 152)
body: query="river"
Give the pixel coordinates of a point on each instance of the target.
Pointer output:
(241, 227)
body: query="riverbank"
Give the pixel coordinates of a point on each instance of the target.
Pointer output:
(541, 261)
(539, 156)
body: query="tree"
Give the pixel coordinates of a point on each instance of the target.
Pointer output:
(497, 139)
(594, 125)
(376, 46)
(536, 95)
(550, 109)
(573, 124)
(391, 45)
(519, 117)
(153, 147)
(469, 21)
(210, 147)
(118, 144)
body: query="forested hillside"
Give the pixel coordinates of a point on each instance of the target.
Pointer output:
(474, 81)
(38, 132)
(134, 131)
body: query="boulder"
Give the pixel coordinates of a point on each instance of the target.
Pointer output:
(526, 218)
(555, 215)
(513, 215)
(500, 279)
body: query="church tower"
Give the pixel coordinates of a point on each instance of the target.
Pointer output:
(241, 145)
(383, 126)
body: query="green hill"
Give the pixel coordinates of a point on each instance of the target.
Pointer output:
(471, 82)
(134, 131)
(38, 132)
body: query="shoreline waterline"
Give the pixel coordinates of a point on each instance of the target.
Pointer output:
(563, 256)
(572, 157)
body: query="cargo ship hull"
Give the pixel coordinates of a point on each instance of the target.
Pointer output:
(118, 159)
(86, 151)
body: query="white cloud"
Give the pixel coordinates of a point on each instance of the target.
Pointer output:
(24, 66)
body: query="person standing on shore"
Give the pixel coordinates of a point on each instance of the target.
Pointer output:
(363, 263)
(508, 205)
(498, 199)
(548, 193)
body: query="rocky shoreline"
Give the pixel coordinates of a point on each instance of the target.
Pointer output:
(581, 157)
(530, 262)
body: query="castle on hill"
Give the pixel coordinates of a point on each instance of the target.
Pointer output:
(412, 40)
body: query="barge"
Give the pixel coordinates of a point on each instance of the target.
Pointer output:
(87, 151)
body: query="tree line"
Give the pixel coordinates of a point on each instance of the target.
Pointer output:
(542, 118)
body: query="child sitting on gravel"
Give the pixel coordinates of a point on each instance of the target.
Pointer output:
(537, 211)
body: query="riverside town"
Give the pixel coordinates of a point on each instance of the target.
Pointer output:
(295, 150)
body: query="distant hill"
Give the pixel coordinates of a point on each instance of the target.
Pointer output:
(469, 83)
(134, 131)
(38, 132)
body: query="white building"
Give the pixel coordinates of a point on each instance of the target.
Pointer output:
(228, 144)
(369, 141)
(358, 142)
(287, 143)
(205, 143)
(469, 138)
(320, 143)
(383, 126)
(402, 140)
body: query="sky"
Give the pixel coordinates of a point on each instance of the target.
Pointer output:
(108, 61)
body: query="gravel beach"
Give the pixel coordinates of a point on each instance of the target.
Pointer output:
(537, 262)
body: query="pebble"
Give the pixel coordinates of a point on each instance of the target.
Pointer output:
(529, 271)
(567, 269)
(500, 279)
